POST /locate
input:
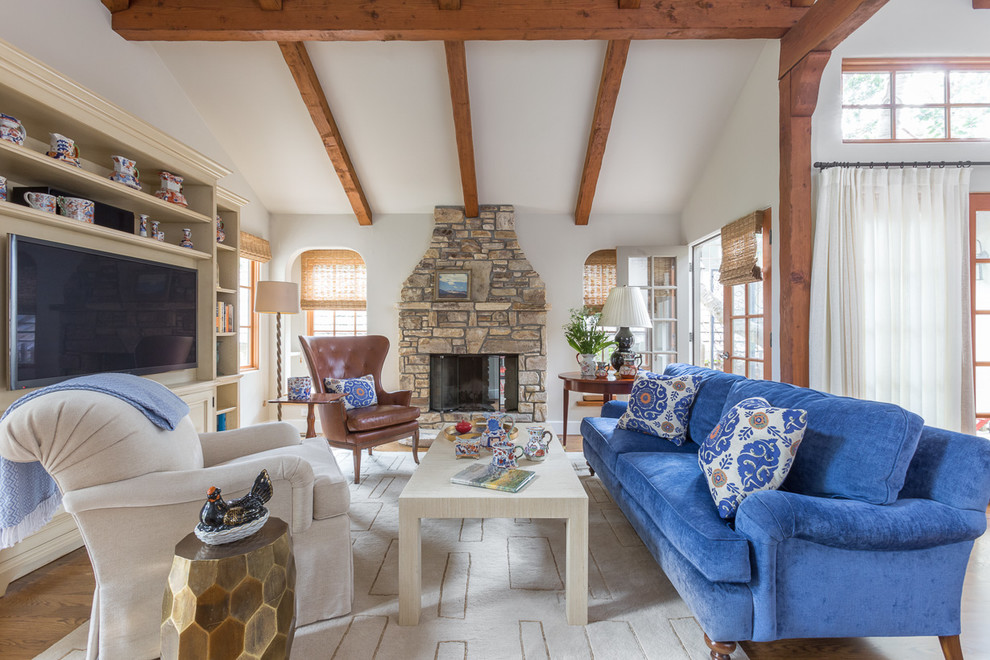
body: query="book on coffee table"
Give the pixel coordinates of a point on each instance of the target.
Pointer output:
(481, 475)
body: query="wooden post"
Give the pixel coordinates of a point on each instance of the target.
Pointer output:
(798, 98)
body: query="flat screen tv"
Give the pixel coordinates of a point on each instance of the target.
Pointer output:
(75, 311)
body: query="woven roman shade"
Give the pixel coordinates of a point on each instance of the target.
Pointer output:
(334, 279)
(599, 277)
(739, 251)
(255, 248)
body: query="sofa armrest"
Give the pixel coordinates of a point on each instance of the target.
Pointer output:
(289, 474)
(400, 398)
(614, 409)
(769, 517)
(225, 446)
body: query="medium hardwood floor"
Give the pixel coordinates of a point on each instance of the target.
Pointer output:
(41, 608)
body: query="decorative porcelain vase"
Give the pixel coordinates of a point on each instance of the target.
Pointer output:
(41, 201)
(586, 361)
(300, 388)
(630, 365)
(63, 149)
(186, 241)
(171, 190)
(77, 208)
(221, 234)
(538, 445)
(12, 130)
(3, 188)
(143, 225)
(154, 230)
(601, 370)
(125, 171)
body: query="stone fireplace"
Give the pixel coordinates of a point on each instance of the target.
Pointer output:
(504, 315)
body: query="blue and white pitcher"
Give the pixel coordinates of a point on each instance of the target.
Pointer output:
(538, 445)
(495, 429)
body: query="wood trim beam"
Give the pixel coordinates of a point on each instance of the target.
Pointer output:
(460, 101)
(629, 4)
(981, 4)
(419, 20)
(271, 5)
(319, 109)
(608, 93)
(798, 98)
(823, 27)
(449, 4)
(117, 5)
(802, 3)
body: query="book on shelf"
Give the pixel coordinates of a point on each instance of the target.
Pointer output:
(225, 317)
(482, 475)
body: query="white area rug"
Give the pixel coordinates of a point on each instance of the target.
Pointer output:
(494, 588)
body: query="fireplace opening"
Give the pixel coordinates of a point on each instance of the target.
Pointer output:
(474, 383)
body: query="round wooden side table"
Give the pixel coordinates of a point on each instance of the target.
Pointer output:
(607, 387)
(235, 600)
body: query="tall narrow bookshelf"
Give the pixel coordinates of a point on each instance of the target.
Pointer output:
(227, 295)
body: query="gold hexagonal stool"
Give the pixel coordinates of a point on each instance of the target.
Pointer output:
(235, 601)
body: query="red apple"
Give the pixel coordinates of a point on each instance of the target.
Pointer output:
(463, 426)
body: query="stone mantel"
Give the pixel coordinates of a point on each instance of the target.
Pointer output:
(506, 314)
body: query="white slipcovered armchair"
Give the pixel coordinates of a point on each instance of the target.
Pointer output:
(136, 490)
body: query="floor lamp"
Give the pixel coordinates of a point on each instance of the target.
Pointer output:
(277, 298)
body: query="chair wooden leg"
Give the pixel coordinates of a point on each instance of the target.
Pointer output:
(951, 648)
(357, 466)
(720, 650)
(416, 446)
(369, 451)
(590, 469)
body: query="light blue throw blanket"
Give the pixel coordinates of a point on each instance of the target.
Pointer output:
(28, 494)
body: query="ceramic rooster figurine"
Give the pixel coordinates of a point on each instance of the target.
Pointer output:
(223, 522)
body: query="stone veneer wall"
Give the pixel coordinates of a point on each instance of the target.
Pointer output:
(506, 315)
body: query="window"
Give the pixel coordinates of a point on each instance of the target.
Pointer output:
(979, 206)
(334, 293)
(247, 340)
(599, 277)
(656, 276)
(920, 99)
(706, 259)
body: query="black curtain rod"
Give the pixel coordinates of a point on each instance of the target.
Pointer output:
(930, 163)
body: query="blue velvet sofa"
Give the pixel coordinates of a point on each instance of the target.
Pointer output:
(869, 535)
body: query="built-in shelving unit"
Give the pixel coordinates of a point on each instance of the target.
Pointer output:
(46, 102)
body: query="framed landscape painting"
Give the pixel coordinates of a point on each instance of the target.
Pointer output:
(452, 285)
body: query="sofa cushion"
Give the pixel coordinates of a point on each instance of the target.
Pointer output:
(608, 441)
(369, 418)
(672, 490)
(709, 401)
(751, 449)
(852, 448)
(659, 405)
(358, 392)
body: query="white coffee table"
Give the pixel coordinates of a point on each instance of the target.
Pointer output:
(555, 493)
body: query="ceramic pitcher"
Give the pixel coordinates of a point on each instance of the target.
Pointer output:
(504, 455)
(125, 171)
(630, 365)
(495, 428)
(63, 148)
(538, 445)
(12, 130)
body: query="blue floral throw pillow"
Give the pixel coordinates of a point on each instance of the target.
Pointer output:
(360, 392)
(750, 449)
(659, 405)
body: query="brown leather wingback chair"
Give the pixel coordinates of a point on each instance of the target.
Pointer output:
(360, 428)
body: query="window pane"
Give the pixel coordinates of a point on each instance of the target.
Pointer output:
(983, 234)
(982, 347)
(739, 337)
(663, 271)
(244, 307)
(663, 304)
(971, 123)
(865, 124)
(738, 300)
(665, 336)
(756, 370)
(919, 87)
(707, 259)
(756, 338)
(638, 271)
(969, 87)
(755, 297)
(983, 390)
(245, 272)
(982, 286)
(640, 340)
(244, 348)
(739, 367)
(920, 123)
(865, 88)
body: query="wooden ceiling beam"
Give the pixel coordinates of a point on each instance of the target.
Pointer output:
(306, 79)
(449, 4)
(418, 20)
(460, 101)
(608, 93)
(117, 5)
(271, 5)
(981, 4)
(629, 4)
(825, 25)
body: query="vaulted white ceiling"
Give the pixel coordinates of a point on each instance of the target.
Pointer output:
(531, 103)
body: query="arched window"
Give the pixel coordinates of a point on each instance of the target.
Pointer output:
(334, 292)
(599, 278)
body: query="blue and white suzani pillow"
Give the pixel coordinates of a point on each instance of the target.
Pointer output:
(359, 392)
(751, 448)
(659, 405)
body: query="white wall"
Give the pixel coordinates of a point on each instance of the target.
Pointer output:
(742, 174)
(75, 39)
(394, 244)
(906, 28)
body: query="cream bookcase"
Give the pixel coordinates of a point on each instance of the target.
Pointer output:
(46, 102)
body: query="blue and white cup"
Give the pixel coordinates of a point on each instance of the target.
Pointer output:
(300, 388)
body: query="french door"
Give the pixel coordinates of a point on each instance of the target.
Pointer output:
(979, 221)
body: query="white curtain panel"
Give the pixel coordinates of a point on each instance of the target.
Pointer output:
(890, 316)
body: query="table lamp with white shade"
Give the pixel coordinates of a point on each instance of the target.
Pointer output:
(624, 308)
(277, 298)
